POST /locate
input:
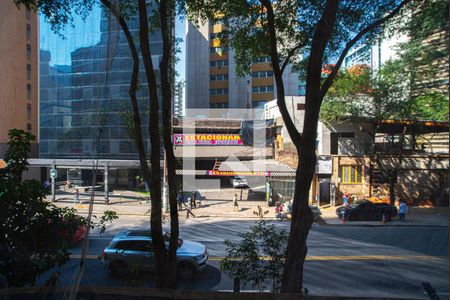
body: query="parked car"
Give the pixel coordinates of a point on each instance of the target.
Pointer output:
(132, 250)
(239, 182)
(365, 210)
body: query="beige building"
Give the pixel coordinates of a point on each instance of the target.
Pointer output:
(19, 72)
(211, 80)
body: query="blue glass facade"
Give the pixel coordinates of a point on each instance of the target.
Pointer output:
(84, 83)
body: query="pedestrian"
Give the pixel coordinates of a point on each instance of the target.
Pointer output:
(279, 211)
(76, 199)
(235, 203)
(46, 185)
(402, 209)
(345, 199)
(193, 204)
(189, 211)
(180, 201)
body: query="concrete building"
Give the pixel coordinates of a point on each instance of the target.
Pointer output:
(211, 80)
(374, 55)
(19, 73)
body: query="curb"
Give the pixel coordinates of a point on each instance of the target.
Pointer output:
(384, 225)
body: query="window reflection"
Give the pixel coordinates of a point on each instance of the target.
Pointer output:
(74, 89)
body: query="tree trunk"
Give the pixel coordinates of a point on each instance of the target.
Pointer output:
(132, 91)
(167, 15)
(305, 142)
(155, 155)
(302, 218)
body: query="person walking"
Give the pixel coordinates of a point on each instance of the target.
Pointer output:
(235, 203)
(402, 209)
(189, 212)
(193, 202)
(76, 199)
(279, 211)
(180, 201)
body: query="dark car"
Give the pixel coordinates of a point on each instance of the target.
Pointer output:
(367, 211)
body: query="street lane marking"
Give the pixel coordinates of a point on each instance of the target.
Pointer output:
(358, 257)
(89, 256)
(324, 257)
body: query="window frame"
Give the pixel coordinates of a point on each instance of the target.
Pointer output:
(352, 174)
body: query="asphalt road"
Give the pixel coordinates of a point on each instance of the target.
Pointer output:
(342, 260)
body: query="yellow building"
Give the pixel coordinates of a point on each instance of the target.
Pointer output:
(211, 80)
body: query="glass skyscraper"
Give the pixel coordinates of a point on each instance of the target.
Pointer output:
(84, 81)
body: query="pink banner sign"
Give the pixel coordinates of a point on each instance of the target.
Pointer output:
(206, 139)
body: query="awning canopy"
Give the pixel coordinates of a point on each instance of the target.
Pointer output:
(416, 127)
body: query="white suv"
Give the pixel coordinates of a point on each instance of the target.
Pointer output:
(133, 250)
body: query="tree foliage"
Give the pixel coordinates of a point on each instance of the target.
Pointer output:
(259, 258)
(34, 235)
(413, 85)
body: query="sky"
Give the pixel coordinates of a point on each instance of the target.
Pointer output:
(180, 31)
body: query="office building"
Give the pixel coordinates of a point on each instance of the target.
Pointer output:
(211, 80)
(84, 83)
(19, 73)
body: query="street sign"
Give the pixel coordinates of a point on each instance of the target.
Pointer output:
(53, 173)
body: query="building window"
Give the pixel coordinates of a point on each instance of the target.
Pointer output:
(262, 74)
(218, 35)
(218, 91)
(264, 59)
(259, 103)
(262, 89)
(301, 90)
(28, 51)
(28, 71)
(219, 77)
(29, 127)
(218, 105)
(28, 112)
(218, 63)
(218, 50)
(28, 31)
(221, 22)
(351, 174)
(29, 91)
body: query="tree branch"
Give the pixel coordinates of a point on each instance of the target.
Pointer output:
(278, 74)
(291, 53)
(328, 82)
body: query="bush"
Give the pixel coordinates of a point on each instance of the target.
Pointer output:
(259, 258)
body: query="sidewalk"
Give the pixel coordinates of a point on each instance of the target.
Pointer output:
(130, 206)
(416, 216)
(127, 204)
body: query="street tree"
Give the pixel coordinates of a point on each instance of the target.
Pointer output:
(408, 87)
(320, 32)
(152, 16)
(35, 235)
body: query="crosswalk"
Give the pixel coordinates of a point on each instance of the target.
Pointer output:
(210, 231)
